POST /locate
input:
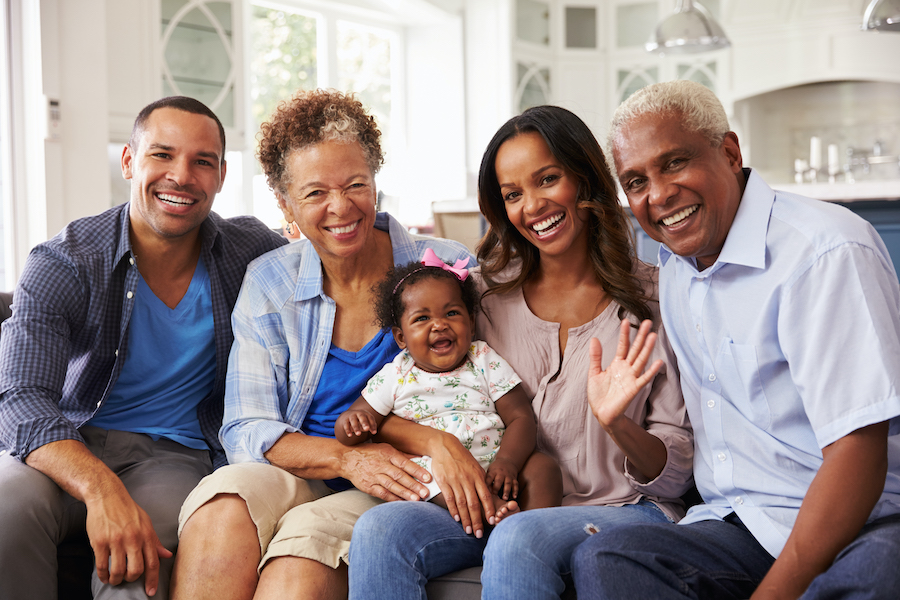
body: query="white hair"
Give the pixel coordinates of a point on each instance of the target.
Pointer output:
(699, 108)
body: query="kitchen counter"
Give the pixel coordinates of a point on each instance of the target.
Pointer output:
(845, 192)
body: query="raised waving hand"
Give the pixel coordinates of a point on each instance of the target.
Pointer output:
(611, 391)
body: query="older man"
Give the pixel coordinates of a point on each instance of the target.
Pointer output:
(783, 313)
(112, 366)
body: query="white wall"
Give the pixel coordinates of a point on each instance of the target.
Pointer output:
(74, 55)
(435, 161)
(489, 78)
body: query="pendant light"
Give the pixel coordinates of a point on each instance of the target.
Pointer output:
(882, 15)
(689, 29)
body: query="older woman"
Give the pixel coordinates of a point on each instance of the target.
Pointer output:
(558, 270)
(277, 521)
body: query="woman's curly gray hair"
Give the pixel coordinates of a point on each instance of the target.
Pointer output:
(308, 118)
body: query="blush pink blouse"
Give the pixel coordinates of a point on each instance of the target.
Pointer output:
(595, 471)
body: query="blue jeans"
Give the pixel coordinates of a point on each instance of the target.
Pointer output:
(722, 560)
(529, 554)
(398, 546)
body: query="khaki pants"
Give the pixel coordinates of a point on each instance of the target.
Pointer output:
(293, 516)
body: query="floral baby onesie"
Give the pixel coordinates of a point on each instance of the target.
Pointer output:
(460, 402)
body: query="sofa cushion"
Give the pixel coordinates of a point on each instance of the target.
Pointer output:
(461, 585)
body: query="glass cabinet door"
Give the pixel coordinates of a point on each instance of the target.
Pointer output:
(581, 27)
(198, 53)
(533, 21)
(534, 86)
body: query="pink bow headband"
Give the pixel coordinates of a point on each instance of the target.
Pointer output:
(430, 259)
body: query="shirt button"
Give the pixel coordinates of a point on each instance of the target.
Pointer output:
(131, 261)
(738, 500)
(117, 351)
(722, 456)
(129, 295)
(712, 376)
(711, 403)
(698, 327)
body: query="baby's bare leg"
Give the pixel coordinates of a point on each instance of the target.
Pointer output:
(540, 483)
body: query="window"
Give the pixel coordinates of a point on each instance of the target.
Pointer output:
(6, 196)
(305, 45)
(25, 121)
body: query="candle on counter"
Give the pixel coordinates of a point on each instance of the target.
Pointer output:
(800, 168)
(815, 153)
(834, 160)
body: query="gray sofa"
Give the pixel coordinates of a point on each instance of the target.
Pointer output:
(461, 585)
(5, 305)
(466, 585)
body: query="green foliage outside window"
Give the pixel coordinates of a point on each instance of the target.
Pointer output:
(282, 58)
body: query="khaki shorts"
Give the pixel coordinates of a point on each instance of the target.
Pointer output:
(293, 516)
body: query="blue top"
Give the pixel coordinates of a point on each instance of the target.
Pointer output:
(283, 323)
(787, 343)
(168, 374)
(63, 349)
(343, 379)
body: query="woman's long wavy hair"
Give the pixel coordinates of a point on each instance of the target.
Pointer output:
(610, 239)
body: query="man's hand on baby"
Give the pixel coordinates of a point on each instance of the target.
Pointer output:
(503, 478)
(357, 422)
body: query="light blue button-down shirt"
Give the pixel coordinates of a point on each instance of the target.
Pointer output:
(787, 343)
(283, 323)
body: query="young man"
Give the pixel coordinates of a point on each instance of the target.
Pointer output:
(112, 366)
(783, 313)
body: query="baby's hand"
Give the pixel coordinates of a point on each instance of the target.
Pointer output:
(503, 478)
(357, 422)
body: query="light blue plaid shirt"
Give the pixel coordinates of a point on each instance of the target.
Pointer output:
(283, 323)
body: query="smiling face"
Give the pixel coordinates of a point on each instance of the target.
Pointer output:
(683, 191)
(540, 195)
(331, 197)
(435, 327)
(175, 172)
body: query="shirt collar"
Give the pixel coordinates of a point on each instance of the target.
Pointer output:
(746, 241)
(209, 233)
(124, 247)
(403, 244)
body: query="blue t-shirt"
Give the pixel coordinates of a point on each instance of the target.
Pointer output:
(343, 378)
(169, 369)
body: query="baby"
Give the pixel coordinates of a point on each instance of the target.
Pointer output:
(445, 380)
